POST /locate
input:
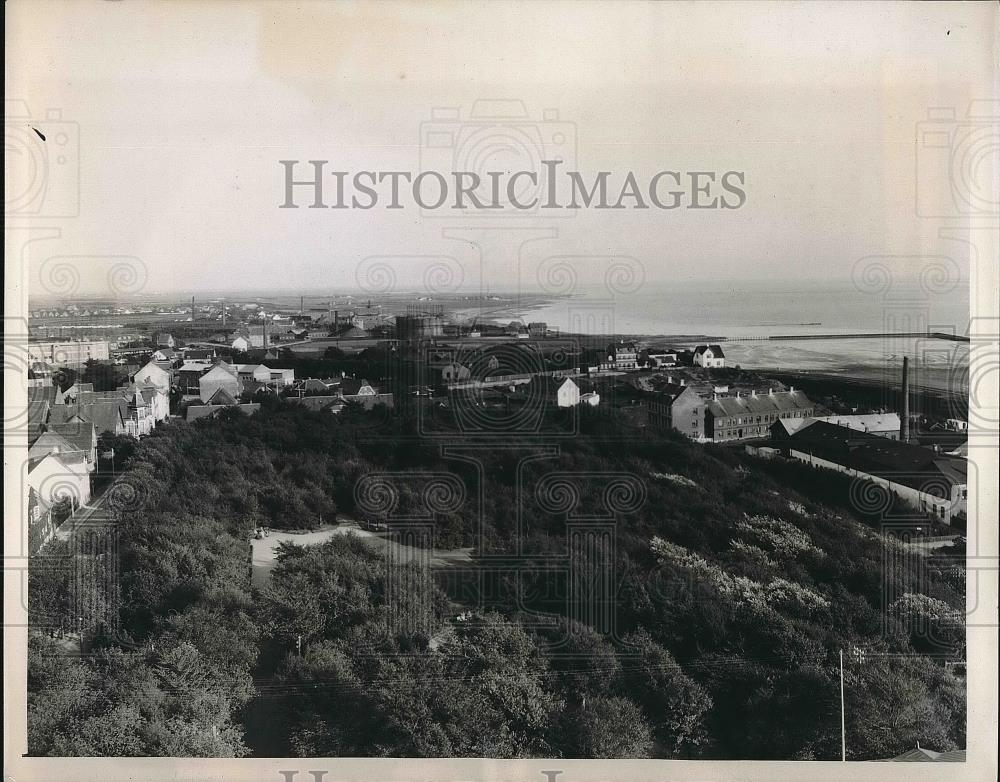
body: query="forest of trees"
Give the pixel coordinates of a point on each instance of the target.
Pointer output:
(736, 585)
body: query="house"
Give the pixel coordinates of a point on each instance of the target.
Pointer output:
(140, 421)
(354, 390)
(60, 476)
(195, 412)
(927, 481)
(709, 356)
(363, 393)
(562, 392)
(677, 407)
(746, 416)
(240, 344)
(39, 408)
(353, 332)
(222, 375)
(107, 415)
(881, 424)
(40, 374)
(314, 385)
(72, 353)
(73, 393)
(623, 356)
(82, 435)
(257, 372)
(282, 378)
(261, 334)
(164, 354)
(159, 403)
(55, 443)
(658, 359)
(164, 340)
(452, 372)
(538, 329)
(189, 374)
(204, 355)
(153, 375)
(329, 403)
(222, 396)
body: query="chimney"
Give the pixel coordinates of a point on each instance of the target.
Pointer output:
(753, 393)
(670, 379)
(301, 299)
(223, 312)
(904, 419)
(770, 391)
(682, 381)
(192, 309)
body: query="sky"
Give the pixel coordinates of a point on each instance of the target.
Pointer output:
(173, 117)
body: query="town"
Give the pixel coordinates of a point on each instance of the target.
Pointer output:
(129, 369)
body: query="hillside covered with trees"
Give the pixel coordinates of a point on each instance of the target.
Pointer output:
(735, 585)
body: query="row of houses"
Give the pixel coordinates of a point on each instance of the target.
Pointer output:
(680, 407)
(626, 356)
(64, 427)
(200, 373)
(334, 394)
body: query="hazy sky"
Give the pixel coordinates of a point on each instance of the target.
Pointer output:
(184, 108)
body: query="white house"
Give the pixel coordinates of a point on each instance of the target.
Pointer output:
(282, 378)
(159, 403)
(709, 356)
(256, 372)
(60, 475)
(562, 392)
(153, 375)
(240, 344)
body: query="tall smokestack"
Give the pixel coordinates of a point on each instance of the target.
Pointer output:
(904, 419)
(223, 312)
(301, 299)
(192, 309)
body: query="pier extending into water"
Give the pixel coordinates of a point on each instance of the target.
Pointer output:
(886, 335)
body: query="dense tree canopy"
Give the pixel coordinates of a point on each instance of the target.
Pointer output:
(734, 586)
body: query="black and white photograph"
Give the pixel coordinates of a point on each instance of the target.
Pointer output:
(541, 391)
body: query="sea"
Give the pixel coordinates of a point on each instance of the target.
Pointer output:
(760, 323)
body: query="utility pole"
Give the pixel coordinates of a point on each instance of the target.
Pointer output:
(843, 721)
(298, 645)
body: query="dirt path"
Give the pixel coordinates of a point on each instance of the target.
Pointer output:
(265, 549)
